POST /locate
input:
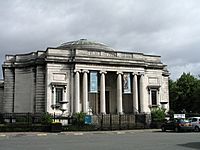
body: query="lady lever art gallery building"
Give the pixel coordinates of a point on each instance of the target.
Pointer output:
(83, 76)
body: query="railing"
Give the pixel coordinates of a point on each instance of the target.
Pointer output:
(26, 118)
(119, 122)
(32, 121)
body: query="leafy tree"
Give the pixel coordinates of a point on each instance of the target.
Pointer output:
(173, 95)
(185, 94)
(196, 99)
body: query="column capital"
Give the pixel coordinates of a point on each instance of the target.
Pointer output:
(77, 70)
(85, 71)
(141, 73)
(119, 72)
(102, 72)
(134, 73)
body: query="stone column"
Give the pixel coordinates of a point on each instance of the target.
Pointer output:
(85, 91)
(77, 92)
(119, 93)
(135, 93)
(142, 93)
(102, 93)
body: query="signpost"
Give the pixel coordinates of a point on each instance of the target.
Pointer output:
(179, 115)
(88, 119)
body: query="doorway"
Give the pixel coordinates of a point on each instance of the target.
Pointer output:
(107, 102)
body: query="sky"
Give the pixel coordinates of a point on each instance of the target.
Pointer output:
(169, 28)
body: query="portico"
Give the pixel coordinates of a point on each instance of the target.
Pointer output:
(114, 92)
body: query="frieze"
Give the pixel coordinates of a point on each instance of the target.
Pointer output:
(108, 54)
(121, 55)
(94, 53)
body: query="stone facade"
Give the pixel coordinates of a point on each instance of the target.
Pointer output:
(60, 80)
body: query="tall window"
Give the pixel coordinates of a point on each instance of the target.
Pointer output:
(154, 97)
(59, 95)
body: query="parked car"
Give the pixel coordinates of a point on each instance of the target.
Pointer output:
(177, 125)
(195, 123)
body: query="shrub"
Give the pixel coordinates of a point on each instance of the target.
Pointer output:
(46, 119)
(1, 118)
(158, 114)
(80, 118)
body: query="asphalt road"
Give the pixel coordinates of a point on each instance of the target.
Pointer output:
(118, 140)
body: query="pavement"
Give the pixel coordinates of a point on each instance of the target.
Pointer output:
(76, 133)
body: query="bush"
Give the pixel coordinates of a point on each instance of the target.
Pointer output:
(1, 119)
(158, 114)
(157, 117)
(80, 119)
(46, 119)
(78, 128)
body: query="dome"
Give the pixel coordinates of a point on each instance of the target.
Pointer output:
(85, 44)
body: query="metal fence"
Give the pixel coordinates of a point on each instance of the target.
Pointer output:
(99, 122)
(119, 122)
(26, 118)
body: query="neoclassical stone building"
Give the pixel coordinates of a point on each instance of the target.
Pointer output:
(83, 76)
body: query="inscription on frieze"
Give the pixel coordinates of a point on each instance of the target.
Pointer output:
(108, 54)
(94, 53)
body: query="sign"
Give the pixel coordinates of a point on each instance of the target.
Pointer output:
(88, 119)
(126, 83)
(179, 115)
(93, 82)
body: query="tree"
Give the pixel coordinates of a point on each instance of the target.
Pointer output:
(196, 99)
(173, 95)
(185, 94)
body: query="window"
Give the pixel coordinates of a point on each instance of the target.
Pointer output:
(59, 95)
(194, 119)
(154, 97)
(154, 100)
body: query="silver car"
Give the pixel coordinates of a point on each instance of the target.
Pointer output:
(195, 123)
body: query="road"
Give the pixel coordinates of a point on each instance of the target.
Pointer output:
(118, 140)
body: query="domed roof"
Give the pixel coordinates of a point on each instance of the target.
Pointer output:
(85, 44)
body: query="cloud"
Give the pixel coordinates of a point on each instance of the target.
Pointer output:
(189, 68)
(162, 27)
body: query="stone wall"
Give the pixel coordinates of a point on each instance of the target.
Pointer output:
(1, 98)
(24, 95)
(40, 89)
(9, 79)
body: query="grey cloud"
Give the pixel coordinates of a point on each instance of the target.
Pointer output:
(162, 27)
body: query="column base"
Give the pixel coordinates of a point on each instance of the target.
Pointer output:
(103, 113)
(120, 113)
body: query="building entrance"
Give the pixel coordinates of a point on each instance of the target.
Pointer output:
(107, 103)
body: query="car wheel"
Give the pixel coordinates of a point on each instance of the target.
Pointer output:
(163, 129)
(176, 129)
(196, 129)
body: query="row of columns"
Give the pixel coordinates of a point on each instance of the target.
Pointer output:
(102, 92)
